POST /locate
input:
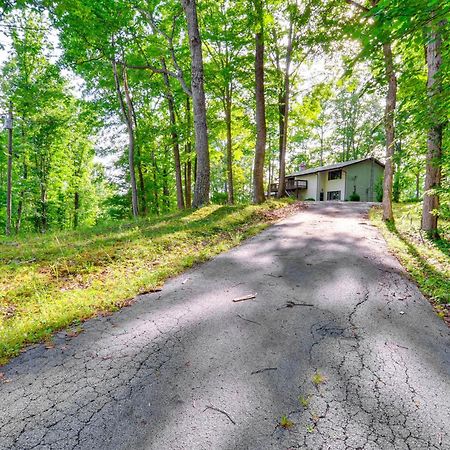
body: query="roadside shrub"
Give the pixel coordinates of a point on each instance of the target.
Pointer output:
(379, 189)
(354, 197)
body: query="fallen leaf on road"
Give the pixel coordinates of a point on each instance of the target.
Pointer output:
(3, 379)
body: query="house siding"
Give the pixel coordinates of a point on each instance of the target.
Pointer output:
(311, 191)
(362, 178)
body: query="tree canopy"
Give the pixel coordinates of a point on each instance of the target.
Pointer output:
(127, 108)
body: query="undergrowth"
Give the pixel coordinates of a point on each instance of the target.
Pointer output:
(426, 260)
(48, 282)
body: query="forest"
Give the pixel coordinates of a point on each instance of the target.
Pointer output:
(116, 109)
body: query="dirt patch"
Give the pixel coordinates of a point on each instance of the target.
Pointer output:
(281, 213)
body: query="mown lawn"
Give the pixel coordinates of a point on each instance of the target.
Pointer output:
(428, 262)
(52, 281)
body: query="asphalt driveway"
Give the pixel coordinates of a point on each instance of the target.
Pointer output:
(337, 340)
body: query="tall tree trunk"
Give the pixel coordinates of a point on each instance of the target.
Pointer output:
(43, 218)
(131, 146)
(417, 185)
(175, 143)
(202, 184)
(127, 115)
(389, 118)
(188, 148)
(321, 145)
(228, 106)
(260, 148)
(155, 182)
(281, 111)
(282, 169)
(435, 132)
(166, 192)
(269, 177)
(24, 180)
(142, 193)
(9, 176)
(76, 208)
(143, 196)
(389, 121)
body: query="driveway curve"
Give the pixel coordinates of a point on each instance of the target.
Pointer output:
(338, 350)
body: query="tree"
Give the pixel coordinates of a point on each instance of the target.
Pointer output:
(382, 35)
(284, 108)
(127, 113)
(175, 143)
(260, 148)
(202, 181)
(9, 127)
(52, 138)
(436, 127)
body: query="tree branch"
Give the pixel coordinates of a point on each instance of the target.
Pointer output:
(358, 5)
(169, 38)
(185, 87)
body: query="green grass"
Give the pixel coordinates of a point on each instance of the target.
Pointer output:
(427, 261)
(318, 379)
(52, 281)
(286, 423)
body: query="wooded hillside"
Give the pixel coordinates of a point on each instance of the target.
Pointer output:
(129, 108)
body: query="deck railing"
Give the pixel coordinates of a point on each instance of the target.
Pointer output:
(291, 185)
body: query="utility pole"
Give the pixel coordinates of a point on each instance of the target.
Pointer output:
(9, 127)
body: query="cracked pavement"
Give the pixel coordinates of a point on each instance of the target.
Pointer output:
(186, 368)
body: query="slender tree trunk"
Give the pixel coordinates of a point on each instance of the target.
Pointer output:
(127, 115)
(417, 185)
(260, 149)
(175, 143)
(202, 184)
(143, 196)
(19, 213)
(9, 176)
(269, 183)
(166, 192)
(24, 180)
(435, 132)
(282, 169)
(131, 146)
(321, 145)
(188, 148)
(228, 106)
(281, 111)
(389, 120)
(43, 219)
(155, 182)
(142, 192)
(76, 208)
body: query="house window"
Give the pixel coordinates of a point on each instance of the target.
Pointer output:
(333, 195)
(334, 174)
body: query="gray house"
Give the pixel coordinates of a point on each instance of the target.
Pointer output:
(336, 181)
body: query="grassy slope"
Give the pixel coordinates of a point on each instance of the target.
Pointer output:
(49, 282)
(427, 262)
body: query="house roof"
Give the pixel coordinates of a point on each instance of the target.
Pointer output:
(333, 167)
